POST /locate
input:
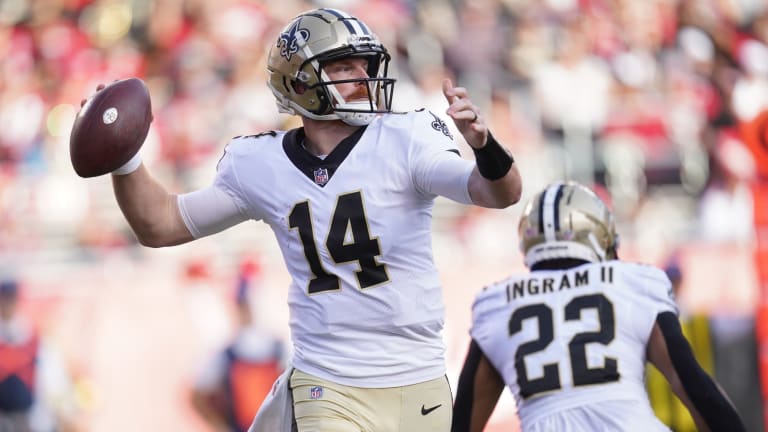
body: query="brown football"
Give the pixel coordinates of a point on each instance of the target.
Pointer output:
(110, 128)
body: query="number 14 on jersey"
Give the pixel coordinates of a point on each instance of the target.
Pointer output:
(348, 216)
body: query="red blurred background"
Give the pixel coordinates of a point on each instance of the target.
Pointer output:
(660, 105)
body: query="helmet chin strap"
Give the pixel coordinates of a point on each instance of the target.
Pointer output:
(356, 118)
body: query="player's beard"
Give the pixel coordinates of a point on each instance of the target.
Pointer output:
(361, 93)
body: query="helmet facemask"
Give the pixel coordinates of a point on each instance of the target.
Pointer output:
(374, 96)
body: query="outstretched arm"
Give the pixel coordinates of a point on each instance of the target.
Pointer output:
(495, 182)
(480, 386)
(708, 404)
(150, 210)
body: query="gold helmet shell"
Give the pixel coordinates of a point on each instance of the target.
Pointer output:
(567, 220)
(296, 76)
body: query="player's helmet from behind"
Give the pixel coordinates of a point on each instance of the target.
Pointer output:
(296, 75)
(567, 220)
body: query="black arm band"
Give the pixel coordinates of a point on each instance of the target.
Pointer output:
(493, 160)
(718, 413)
(462, 407)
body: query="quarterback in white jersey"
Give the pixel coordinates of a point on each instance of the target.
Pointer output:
(571, 338)
(349, 196)
(355, 232)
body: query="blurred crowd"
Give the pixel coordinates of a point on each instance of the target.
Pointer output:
(659, 104)
(627, 95)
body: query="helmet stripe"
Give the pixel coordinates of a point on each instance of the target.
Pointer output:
(549, 212)
(541, 213)
(358, 27)
(337, 13)
(363, 27)
(348, 20)
(558, 196)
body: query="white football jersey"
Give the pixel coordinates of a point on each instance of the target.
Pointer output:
(354, 228)
(571, 344)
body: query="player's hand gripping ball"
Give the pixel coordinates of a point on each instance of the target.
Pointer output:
(110, 128)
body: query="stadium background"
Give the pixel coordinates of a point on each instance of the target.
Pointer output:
(659, 104)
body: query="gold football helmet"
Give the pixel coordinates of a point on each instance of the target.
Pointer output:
(296, 60)
(567, 220)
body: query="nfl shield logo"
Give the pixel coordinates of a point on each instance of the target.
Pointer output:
(321, 176)
(316, 392)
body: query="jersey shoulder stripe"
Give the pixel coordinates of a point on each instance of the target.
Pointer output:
(246, 144)
(242, 144)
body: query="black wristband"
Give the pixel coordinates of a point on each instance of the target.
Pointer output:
(493, 160)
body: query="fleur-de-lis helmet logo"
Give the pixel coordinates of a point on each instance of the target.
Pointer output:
(289, 40)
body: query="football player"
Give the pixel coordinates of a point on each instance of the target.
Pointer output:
(571, 338)
(349, 197)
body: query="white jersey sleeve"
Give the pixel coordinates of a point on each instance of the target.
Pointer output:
(221, 205)
(208, 211)
(655, 286)
(230, 180)
(437, 165)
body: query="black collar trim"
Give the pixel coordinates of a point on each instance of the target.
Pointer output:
(318, 170)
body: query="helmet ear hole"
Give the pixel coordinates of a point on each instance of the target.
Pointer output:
(299, 87)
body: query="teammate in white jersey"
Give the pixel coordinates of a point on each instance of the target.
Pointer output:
(571, 338)
(349, 196)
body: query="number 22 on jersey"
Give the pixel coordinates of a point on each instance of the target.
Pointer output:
(581, 372)
(348, 216)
